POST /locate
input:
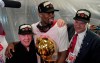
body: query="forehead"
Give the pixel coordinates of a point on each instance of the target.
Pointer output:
(48, 13)
(79, 21)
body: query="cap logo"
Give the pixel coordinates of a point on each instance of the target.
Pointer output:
(83, 15)
(47, 6)
(51, 5)
(25, 26)
(46, 3)
(26, 29)
(84, 12)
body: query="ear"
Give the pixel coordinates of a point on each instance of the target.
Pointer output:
(40, 15)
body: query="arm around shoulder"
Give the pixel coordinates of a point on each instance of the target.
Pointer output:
(9, 48)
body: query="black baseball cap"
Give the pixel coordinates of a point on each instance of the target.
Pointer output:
(25, 29)
(83, 15)
(46, 7)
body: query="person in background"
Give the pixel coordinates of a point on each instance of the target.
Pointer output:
(25, 51)
(87, 46)
(48, 27)
(3, 44)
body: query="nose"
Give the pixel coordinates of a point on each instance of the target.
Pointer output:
(26, 37)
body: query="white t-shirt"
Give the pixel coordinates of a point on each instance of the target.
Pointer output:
(58, 34)
(3, 45)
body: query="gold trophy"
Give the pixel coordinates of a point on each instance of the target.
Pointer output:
(46, 48)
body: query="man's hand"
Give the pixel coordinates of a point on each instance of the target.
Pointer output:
(60, 23)
(8, 50)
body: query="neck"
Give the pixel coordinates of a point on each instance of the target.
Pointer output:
(43, 23)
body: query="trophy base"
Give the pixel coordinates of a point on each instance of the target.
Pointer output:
(50, 61)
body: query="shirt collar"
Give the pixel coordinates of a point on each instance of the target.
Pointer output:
(82, 33)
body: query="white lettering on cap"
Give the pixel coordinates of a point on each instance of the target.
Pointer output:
(24, 26)
(84, 12)
(46, 3)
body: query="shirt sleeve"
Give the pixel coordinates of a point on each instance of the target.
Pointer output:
(63, 38)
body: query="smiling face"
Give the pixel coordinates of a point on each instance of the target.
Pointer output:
(25, 39)
(46, 18)
(79, 26)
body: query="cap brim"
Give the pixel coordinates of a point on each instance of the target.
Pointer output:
(83, 20)
(52, 10)
(25, 32)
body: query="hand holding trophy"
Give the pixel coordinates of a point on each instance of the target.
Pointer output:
(46, 48)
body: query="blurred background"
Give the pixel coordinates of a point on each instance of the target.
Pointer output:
(11, 18)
